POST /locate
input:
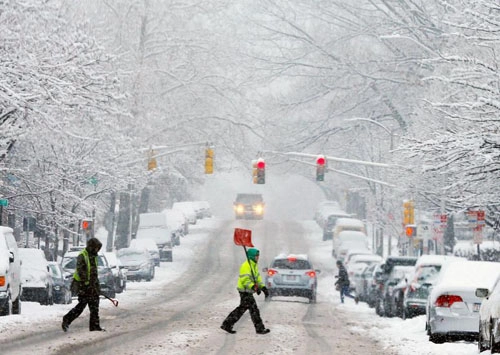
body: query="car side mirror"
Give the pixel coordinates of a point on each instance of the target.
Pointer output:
(318, 271)
(482, 292)
(11, 257)
(265, 269)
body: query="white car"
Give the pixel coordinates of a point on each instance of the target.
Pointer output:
(177, 223)
(38, 285)
(148, 244)
(10, 271)
(489, 319)
(351, 237)
(187, 208)
(452, 310)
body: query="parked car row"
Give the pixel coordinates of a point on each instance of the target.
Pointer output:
(459, 298)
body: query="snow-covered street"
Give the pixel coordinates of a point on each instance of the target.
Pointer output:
(284, 316)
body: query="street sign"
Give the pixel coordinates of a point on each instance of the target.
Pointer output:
(4, 202)
(480, 217)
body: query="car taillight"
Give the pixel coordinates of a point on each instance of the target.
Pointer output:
(271, 272)
(447, 300)
(2, 280)
(311, 274)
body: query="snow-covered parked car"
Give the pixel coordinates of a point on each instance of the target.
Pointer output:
(37, 282)
(188, 208)
(138, 263)
(119, 272)
(62, 286)
(453, 307)
(148, 244)
(178, 224)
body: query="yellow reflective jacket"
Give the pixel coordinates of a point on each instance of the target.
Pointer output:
(80, 274)
(246, 281)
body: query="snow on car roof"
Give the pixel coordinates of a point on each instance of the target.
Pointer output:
(436, 259)
(467, 275)
(297, 256)
(366, 257)
(349, 222)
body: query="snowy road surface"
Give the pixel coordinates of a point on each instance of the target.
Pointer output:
(180, 311)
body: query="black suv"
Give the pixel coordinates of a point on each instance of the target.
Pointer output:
(382, 276)
(249, 206)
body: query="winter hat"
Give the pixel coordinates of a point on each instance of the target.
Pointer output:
(339, 262)
(252, 253)
(94, 245)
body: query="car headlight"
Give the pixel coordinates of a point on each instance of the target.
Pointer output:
(240, 209)
(258, 209)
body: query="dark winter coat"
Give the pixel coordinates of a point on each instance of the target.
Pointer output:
(88, 284)
(343, 277)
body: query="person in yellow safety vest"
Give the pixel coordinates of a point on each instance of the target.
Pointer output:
(249, 282)
(87, 285)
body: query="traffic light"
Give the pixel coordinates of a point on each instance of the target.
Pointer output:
(152, 164)
(320, 168)
(209, 161)
(408, 212)
(87, 225)
(260, 171)
(411, 231)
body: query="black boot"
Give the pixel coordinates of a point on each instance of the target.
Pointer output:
(263, 331)
(64, 326)
(228, 329)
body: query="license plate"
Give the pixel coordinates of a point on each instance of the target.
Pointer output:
(291, 277)
(476, 306)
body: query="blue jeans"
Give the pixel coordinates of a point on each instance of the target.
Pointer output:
(344, 291)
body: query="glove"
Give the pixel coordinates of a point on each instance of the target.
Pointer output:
(256, 289)
(266, 291)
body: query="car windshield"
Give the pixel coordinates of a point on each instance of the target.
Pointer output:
(130, 255)
(294, 264)
(248, 198)
(55, 271)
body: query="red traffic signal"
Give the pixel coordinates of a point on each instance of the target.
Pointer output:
(261, 164)
(411, 231)
(86, 225)
(320, 160)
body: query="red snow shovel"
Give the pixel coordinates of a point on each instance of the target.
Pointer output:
(243, 237)
(115, 302)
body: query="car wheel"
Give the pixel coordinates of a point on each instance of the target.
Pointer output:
(378, 308)
(312, 299)
(16, 305)
(6, 310)
(494, 347)
(436, 338)
(480, 340)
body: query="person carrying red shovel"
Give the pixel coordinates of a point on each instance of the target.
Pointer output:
(249, 282)
(86, 283)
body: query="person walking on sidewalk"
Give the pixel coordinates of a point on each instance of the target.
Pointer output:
(86, 282)
(249, 282)
(343, 283)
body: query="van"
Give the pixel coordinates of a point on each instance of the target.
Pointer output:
(348, 224)
(10, 274)
(330, 220)
(154, 226)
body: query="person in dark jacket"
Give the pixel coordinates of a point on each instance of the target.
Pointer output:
(343, 282)
(249, 282)
(87, 281)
